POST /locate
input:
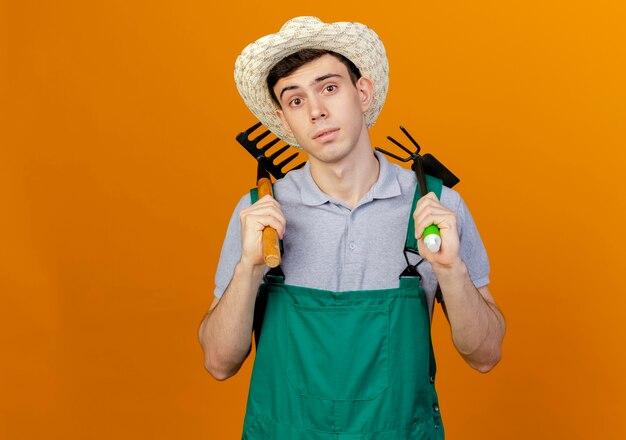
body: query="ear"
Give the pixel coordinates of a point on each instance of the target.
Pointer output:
(365, 87)
(283, 121)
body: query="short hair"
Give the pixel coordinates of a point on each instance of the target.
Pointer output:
(293, 62)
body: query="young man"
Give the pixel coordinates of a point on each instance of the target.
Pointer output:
(345, 347)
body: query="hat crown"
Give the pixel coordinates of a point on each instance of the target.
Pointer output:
(300, 22)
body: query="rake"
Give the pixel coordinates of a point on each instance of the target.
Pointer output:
(265, 166)
(422, 165)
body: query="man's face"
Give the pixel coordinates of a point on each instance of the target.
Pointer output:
(323, 109)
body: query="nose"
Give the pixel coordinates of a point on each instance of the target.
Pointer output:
(317, 109)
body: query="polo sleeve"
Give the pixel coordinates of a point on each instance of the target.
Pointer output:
(473, 251)
(231, 249)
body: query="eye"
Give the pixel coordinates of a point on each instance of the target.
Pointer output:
(330, 88)
(295, 102)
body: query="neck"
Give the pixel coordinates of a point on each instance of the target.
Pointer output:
(349, 179)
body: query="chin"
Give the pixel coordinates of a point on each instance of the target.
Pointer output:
(330, 155)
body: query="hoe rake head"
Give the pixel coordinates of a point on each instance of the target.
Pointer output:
(431, 165)
(265, 159)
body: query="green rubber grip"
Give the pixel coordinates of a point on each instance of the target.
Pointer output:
(432, 229)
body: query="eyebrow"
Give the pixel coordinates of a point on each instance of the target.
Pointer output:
(315, 81)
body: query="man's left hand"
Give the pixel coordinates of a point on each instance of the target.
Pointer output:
(430, 211)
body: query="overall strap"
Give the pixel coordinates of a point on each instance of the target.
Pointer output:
(435, 185)
(432, 185)
(254, 195)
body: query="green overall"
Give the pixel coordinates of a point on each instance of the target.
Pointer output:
(354, 365)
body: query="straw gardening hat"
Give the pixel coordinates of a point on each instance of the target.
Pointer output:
(355, 41)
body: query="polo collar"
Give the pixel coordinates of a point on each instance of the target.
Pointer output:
(386, 186)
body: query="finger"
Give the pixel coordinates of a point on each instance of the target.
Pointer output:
(265, 212)
(264, 201)
(430, 209)
(429, 196)
(443, 221)
(423, 249)
(419, 217)
(259, 222)
(429, 199)
(427, 213)
(422, 225)
(262, 209)
(266, 207)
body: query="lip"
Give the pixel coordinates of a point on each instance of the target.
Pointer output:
(326, 134)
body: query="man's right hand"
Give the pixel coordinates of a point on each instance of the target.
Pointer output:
(265, 212)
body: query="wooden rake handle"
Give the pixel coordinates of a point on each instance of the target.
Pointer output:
(271, 249)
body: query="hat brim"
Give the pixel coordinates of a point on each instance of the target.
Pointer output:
(355, 41)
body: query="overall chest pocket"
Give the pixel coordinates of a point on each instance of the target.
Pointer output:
(338, 352)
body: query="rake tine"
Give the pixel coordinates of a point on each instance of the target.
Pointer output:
(286, 161)
(277, 153)
(269, 145)
(411, 139)
(260, 137)
(401, 159)
(251, 129)
(400, 145)
(300, 165)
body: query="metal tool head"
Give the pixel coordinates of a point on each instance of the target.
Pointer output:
(262, 154)
(431, 165)
(412, 154)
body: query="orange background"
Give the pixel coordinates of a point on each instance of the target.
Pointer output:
(119, 171)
